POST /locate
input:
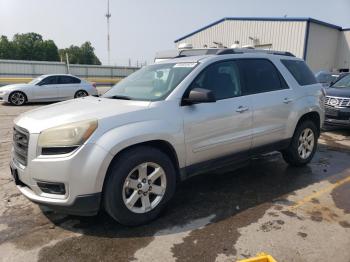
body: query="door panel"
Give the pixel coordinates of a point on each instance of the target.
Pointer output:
(47, 89)
(216, 129)
(272, 100)
(213, 130)
(68, 86)
(271, 116)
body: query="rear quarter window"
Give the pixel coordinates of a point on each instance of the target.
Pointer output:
(300, 71)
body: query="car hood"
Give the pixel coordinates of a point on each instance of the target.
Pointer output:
(340, 92)
(14, 86)
(76, 110)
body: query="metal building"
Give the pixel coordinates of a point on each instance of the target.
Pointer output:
(324, 46)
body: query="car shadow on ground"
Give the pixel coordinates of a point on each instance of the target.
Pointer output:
(29, 104)
(265, 180)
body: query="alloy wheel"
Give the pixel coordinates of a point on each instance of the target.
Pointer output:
(144, 187)
(17, 98)
(306, 143)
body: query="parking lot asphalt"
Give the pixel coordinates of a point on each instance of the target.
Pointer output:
(294, 214)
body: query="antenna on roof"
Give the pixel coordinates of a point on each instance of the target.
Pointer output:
(108, 15)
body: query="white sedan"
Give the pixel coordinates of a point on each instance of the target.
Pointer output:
(47, 88)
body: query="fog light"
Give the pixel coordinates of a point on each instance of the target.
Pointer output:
(52, 188)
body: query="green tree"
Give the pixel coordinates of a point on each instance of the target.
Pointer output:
(80, 55)
(28, 46)
(7, 50)
(31, 46)
(49, 51)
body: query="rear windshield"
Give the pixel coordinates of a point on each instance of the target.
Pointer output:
(300, 71)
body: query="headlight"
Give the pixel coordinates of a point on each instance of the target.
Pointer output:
(66, 136)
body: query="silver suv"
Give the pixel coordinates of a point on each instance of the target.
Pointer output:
(126, 151)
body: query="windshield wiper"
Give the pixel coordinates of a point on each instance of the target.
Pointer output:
(120, 97)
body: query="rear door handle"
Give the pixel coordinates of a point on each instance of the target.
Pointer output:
(241, 109)
(287, 100)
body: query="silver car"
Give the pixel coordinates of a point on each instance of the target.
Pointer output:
(126, 151)
(47, 88)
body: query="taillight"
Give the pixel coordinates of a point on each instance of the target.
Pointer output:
(94, 85)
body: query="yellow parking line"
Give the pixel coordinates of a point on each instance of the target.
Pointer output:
(320, 192)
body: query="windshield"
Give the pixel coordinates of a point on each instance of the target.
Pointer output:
(343, 82)
(36, 80)
(151, 83)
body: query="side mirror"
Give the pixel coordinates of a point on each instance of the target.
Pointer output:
(199, 95)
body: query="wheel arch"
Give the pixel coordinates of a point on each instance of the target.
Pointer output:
(162, 145)
(19, 91)
(313, 116)
(80, 89)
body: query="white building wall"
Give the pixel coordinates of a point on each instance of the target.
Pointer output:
(322, 47)
(343, 51)
(283, 35)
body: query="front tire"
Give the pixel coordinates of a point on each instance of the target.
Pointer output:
(140, 183)
(303, 145)
(17, 98)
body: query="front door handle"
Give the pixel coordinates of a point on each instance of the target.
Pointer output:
(241, 109)
(287, 100)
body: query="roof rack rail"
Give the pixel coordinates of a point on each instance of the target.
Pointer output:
(227, 51)
(214, 51)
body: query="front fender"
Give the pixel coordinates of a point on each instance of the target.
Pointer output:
(122, 137)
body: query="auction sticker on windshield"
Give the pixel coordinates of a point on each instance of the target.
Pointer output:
(185, 65)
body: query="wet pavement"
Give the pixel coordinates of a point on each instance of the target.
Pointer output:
(295, 214)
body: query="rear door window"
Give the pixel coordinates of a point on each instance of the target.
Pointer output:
(300, 71)
(260, 76)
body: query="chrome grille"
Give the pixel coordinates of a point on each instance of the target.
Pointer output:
(337, 101)
(20, 145)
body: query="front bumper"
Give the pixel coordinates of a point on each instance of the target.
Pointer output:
(84, 205)
(81, 172)
(337, 116)
(4, 97)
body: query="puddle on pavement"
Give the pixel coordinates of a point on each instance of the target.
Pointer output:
(341, 197)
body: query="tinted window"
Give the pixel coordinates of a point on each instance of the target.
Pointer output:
(343, 82)
(222, 78)
(300, 71)
(68, 80)
(50, 80)
(260, 75)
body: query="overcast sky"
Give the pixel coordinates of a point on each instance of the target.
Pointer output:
(139, 28)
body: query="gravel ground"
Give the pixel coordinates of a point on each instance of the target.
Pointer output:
(295, 214)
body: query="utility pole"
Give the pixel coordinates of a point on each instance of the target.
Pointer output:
(108, 16)
(67, 59)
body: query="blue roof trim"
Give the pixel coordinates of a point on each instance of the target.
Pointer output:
(301, 19)
(346, 29)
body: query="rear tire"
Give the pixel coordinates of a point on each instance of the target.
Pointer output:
(130, 183)
(303, 145)
(17, 98)
(80, 93)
